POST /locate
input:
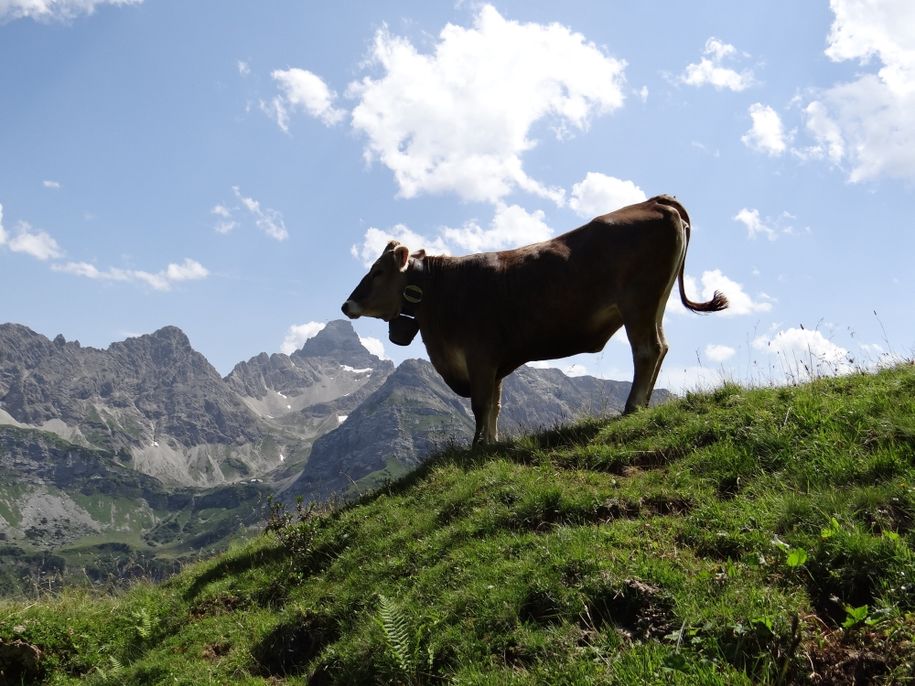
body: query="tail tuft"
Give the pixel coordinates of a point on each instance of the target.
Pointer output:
(718, 302)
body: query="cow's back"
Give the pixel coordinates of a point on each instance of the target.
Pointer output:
(555, 298)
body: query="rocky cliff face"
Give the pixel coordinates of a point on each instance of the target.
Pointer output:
(302, 396)
(331, 365)
(412, 413)
(159, 401)
(152, 397)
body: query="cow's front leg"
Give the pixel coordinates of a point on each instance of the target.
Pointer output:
(484, 390)
(495, 405)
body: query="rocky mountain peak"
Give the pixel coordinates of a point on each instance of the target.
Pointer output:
(21, 346)
(166, 348)
(415, 371)
(332, 366)
(171, 333)
(10, 330)
(338, 339)
(17, 335)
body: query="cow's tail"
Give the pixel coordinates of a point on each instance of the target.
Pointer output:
(719, 301)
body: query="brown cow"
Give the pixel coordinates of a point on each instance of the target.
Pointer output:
(482, 316)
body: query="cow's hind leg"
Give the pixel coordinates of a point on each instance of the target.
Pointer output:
(657, 368)
(648, 350)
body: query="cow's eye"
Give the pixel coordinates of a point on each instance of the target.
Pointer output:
(376, 275)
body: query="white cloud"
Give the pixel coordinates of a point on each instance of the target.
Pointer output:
(755, 226)
(2, 230)
(267, 220)
(875, 357)
(719, 353)
(575, 370)
(771, 227)
(298, 334)
(739, 302)
(157, 281)
(805, 354)
(90, 271)
(53, 10)
(458, 119)
(189, 270)
(244, 69)
(826, 131)
(709, 69)
(511, 226)
(38, 244)
(302, 90)
(374, 346)
(160, 281)
(643, 93)
(53, 185)
(226, 223)
(767, 133)
(868, 123)
(598, 194)
(886, 30)
(225, 227)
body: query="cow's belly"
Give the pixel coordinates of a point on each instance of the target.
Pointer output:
(451, 363)
(586, 333)
(603, 324)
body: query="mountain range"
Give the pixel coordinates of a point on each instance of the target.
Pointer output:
(145, 447)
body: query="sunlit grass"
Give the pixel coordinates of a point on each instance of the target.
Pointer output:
(732, 537)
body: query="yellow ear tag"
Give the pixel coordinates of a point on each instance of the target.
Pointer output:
(413, 294)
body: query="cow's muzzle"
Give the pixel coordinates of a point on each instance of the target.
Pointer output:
(352, 309)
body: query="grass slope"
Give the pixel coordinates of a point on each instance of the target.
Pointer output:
(743, 536)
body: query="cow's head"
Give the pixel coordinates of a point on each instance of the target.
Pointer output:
(379, 292)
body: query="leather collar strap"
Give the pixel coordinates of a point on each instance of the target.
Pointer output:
(412, 294)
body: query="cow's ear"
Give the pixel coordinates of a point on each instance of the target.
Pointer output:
(402, 257)
(391, 245)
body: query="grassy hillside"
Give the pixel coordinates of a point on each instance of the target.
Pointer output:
(761, 536)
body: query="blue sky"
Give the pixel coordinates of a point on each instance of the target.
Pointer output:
(229, 167)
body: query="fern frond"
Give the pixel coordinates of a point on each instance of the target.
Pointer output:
(117, 668)
(396, 632)
(144, 623)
